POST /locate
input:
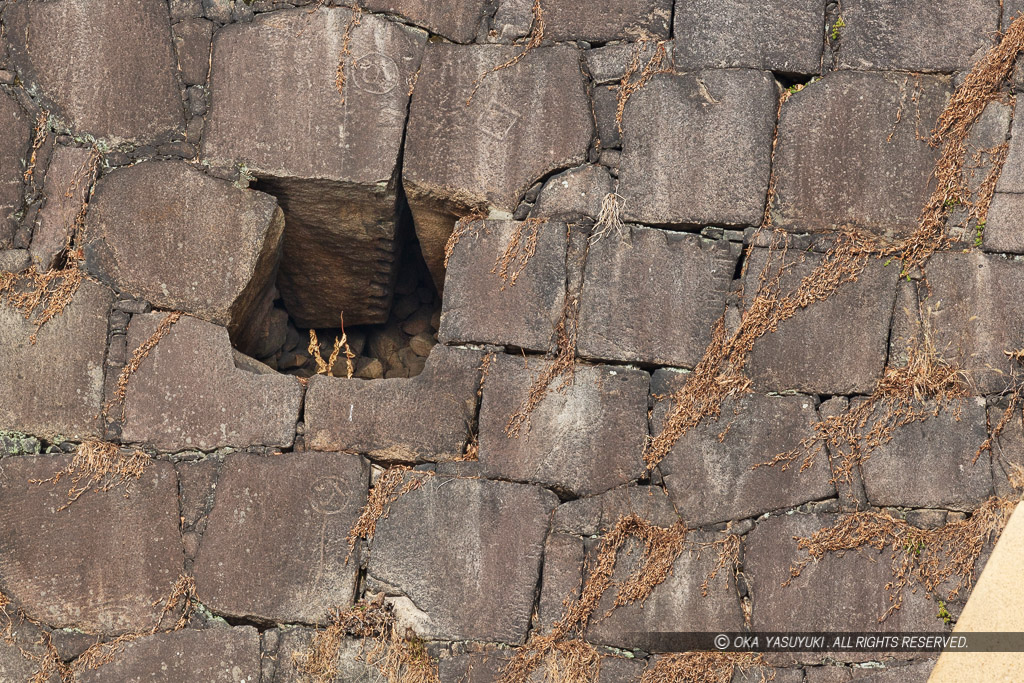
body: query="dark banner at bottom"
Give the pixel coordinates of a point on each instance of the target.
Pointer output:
(787, 641)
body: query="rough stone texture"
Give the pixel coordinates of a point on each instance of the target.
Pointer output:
(523, 122)
(330, 160)
(606, 20)
(188, 393)
(836, 346)
(486, 667)
(456, 20)
(597, 514)
(584, 439)
(712, 480)
(14, 145)
(69, 176)
(1008, 452)
(575, 193)
(352, 667)
(607, 64)
(654, 298)
(480, 306)
(142, 225)
(24, 638)
(274, 548)
(836, 593)
(970, 324)
(447, 546)
(192, 39)
(710, 132)
(917, 35)
(777, 35)
(563, 555)
(843, 159)
(55, 386)
(931, 464)
(892, 672)
(216, 655)
(426, 417)
(1004, 225)
(59, 564)
(108, 66)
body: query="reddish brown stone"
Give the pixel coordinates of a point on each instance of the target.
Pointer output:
(69, 176)
(192, 39)
(14, 145)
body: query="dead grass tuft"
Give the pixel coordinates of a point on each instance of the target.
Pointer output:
(1015, 405)
(346, 51)
(135, 362)
(609, 220)
(463, 226)
(521, 247)
(533, 40)
(99, 466)
(38, 138)
(705, 667)
(638, 75)
(390, 486)
(340, 343)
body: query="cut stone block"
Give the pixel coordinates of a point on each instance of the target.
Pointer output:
(1004, 225)
(576, 193)
(653, 297)
(55, 386)
(467, 565)
(427, 417)
(488, 153)
(777, 35)
(14, 146)
(192, 39)
(350, 662)
(189, 394)
(931, 464)
(843, 158)
(712, 480)
(835, 346)
(893, 671)
(584, 439)
(563, 577)
(107, 66)
(710, 132)
(480, 306)
(456, 20)
(164, 232)
(836, 593)
(597, 514)
(330, 159)
(486, 666)
(275, 547)
(59, 565)
(69, 176)
(606, 20)
(608, 63)
(917, 35)
(214, 655)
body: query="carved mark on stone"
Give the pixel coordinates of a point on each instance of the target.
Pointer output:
(376, 73)
(497, 120)
(328, 495)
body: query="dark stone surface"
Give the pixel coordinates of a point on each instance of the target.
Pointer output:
(274, 548)
(597, 514)
(69, 176)
(523, 122)
(917, 35)
(107, 66)
(607, 20)
(189, 393)
(216, 655)
(777, 35)
(835, 346)
(143, 224)
(931, 464)
(14, 145)
(456, 20)
(479, 306)
(192, 39)
(835, 162)
(352, 667)
(105, 564)
(55, 386)
(655, 298)
(710, 132)
(330, 160)
(584, 439)
(713, 480)
(562, 577)
(427, 417)
(469, 566)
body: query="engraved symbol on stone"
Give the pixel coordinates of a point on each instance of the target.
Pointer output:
(498, 120)
(376, 73)
(328, 495)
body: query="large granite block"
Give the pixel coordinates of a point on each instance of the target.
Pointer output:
(1004, 225)
(456, 20)
(105, 564)
(523, 123)
(710, 132)
(55, 386)
(583, 439)
(14, 145)
(835, 346)
(427, 417)
(330, 158)
(282, 667)
(655, 298)
(468, 566)
(106, 65)
(777, 35)
(164, 232)
(481, 306)
(596, 515)
(606, 20)
(275, 547)
(189, 394)
(845, 158)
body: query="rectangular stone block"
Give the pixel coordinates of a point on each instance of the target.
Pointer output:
(710, 132)
(563, 577)
(456, 20)
(844, 159)
(427, 417)
(192, 38)
(835, 346)
(281, 666)
(481, 306)
(777, 35)
(275, 547)
(14, 147)
(654, 297)
(594, 515)
(584, 439)
(69, 177)
(606, 20)
(1004, 225)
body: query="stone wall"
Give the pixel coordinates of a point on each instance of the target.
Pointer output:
(624, 283)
